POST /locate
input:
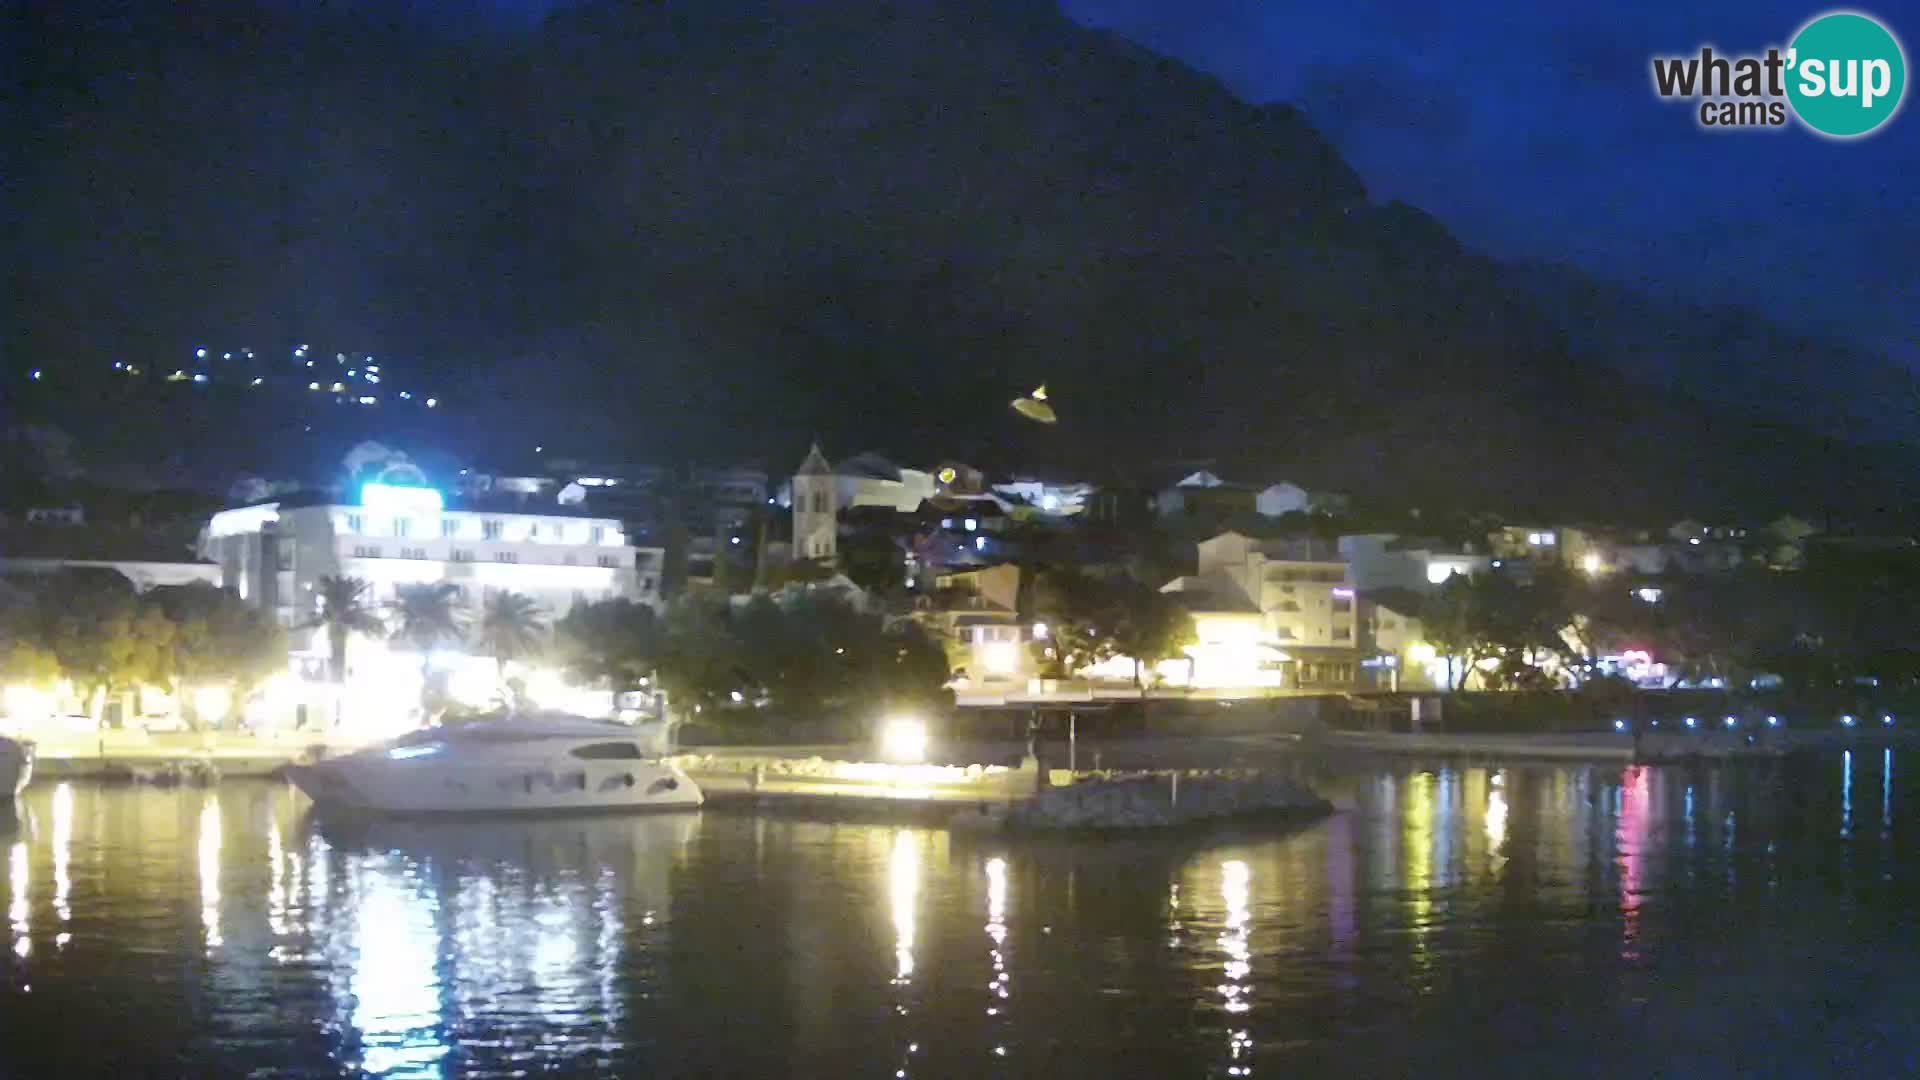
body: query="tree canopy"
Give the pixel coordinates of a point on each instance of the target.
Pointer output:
(1090, 620)
(612, 643)
(810, 654)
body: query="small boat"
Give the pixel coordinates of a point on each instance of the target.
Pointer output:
(16, 766)
(503, 764)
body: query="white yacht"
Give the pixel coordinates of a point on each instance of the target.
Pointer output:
(503, 764)
(16, 766)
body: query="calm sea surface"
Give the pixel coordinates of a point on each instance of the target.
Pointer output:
(1529, 921)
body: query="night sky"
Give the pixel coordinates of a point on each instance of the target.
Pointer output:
(1531, 130)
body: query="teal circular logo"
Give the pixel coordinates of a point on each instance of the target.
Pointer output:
(1846, 74)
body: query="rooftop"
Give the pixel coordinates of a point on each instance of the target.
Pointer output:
(452, 501)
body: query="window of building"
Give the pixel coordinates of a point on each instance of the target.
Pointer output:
(596, 534)
(533, 530)
(286, 558)
(449, 527)
(506, 556)
(1343, 633)
(401, 525)
(490, 529)
(354, 523)
(366, 551)
(609, 561)
(462, 555)
(646, 584)
(1342, 604)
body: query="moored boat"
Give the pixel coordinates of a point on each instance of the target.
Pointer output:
(503, 764)
(16, 766)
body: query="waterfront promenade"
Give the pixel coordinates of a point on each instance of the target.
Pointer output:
(728, 771)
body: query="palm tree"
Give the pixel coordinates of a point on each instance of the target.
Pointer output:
(423, 617)
(344, 611)
(510, 629)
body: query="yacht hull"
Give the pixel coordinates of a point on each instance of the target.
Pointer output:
(16, 767)
(433, 787)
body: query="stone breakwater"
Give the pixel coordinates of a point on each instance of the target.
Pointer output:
(1154, 801)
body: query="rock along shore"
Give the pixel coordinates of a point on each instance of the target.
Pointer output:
(1152, 801)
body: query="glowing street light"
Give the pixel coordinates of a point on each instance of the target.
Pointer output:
(903, 739)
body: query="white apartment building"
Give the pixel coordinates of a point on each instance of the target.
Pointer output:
(1387, 561)
(1303, 601)
(274, 553)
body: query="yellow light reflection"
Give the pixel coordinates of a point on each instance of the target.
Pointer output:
(1419, 856)
(1234, 890)
(997, 925)
(210, 870)
(1235, 894)
(18, 882)
(903, 880)
(276, 878)
(62, 840)
(1497, 813)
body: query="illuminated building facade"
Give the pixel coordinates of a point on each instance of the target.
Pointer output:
(273, 554)
(1546, 543)
(1303, 594)
(977, 613)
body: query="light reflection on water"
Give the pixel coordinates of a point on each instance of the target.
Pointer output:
(1235, 893)
(258, 942)
(19, 882)
(903, 886)
(210, 866)
(62, 845)
(393, 999)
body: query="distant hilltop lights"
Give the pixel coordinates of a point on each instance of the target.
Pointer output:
(362, 381)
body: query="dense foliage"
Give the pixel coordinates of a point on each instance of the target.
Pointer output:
(91, 628)
(1840, 618)
(1090, 620)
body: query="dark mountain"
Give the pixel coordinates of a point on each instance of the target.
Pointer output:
(1732, 356)
(723, 227)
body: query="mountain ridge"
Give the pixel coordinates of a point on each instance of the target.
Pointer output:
(732, 225)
